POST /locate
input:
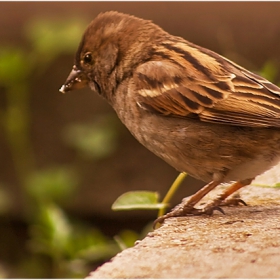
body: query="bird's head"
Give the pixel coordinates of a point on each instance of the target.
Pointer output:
(110, 47)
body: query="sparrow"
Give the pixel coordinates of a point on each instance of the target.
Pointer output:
(197, 110)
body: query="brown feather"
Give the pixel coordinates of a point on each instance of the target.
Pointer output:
(193, 80)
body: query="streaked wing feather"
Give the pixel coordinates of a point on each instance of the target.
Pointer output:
(192, 80)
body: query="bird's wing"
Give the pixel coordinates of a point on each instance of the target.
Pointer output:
(185, 80)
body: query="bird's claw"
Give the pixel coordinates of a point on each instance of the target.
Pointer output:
(208, 210)
(235, 201)
(185, 211)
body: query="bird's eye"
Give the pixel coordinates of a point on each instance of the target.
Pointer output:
(88, 58)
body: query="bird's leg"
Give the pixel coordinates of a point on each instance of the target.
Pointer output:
(235, 200)
(222, 199)
(187, 205)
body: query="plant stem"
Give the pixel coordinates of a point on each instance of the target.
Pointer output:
(172, 190)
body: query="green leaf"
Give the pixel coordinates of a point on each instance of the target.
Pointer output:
(138, 200)
(52, 232)
(277, 185)
(94, 140)
(126, 238)
(50, 38)
(15, 66)
(53, 183)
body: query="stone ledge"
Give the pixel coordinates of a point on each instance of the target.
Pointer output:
(244, 243)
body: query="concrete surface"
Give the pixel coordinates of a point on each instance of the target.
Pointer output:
(244, 243)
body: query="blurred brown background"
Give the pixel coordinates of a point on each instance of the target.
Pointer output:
(246, 32)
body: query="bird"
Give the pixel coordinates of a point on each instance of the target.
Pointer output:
(200, 112)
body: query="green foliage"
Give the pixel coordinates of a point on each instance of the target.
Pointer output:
(13, 68)
(126, 239)
(58, 246)
(52, 184)
(67, 244)
(148, 200)
(48, 39)
(94, 140)
(138, 200)
(276, 185)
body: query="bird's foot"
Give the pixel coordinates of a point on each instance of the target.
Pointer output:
(233, 201)
(184, 209)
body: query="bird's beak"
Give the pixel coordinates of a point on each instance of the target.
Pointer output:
(76, 80)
